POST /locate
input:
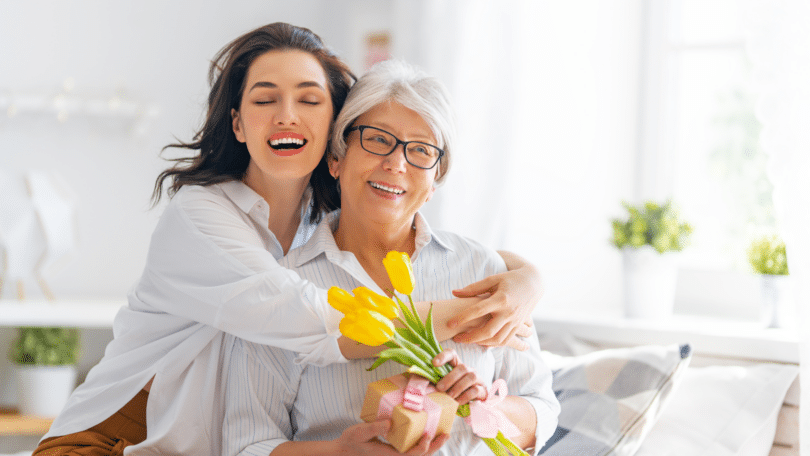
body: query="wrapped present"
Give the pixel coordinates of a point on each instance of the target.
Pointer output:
(413, 406)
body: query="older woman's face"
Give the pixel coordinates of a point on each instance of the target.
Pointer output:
(385, 189)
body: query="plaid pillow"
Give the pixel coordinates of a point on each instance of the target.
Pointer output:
(611, 398)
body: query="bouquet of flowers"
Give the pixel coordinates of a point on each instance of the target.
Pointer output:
(368, 320)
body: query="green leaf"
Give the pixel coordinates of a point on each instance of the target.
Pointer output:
(400, 355)
(426, 360)
(407, 318)
(421, 372)
(406, 333)
(437, 347)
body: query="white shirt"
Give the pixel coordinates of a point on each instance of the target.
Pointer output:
(211, 269)
(270, 399)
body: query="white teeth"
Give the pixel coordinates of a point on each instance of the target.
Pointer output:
(387, 189)
(297, 141)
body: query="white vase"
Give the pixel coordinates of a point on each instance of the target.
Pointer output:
(44, 390)
(649, 282)
(778, 305)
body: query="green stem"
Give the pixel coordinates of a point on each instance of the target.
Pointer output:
(463, 410)
(510, 445)
(426, 364)
(495, 447)
(416, 314)
(442, 370)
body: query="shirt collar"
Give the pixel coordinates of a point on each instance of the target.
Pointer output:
(243, 196)
(323, 240)
(252, 204)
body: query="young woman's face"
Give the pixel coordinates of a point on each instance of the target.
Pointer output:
(385, 189)
(284, 117)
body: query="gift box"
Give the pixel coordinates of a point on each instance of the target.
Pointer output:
(412, 405)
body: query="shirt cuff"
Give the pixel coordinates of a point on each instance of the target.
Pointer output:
(325, 353)
(546, 423)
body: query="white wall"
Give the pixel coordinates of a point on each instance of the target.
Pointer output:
(159, 51)
(156, 52)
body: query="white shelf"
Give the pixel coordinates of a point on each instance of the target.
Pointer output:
(707, 336)
(76, 313)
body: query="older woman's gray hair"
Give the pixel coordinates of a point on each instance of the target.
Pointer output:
(394, 80)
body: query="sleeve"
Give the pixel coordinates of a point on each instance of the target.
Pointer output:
(527, 376)
(260, 388)
(207, 264)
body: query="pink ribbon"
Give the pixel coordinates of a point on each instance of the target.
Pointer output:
(485, 419)
(413, 395)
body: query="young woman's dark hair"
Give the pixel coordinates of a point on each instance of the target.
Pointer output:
(222, 157)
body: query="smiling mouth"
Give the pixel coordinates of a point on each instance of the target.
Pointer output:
(386, 189)
(287, 143)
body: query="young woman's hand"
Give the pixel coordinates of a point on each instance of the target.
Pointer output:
(462, 383)
(362, 440)
(512, 298)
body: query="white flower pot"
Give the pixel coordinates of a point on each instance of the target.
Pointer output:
(44, 390)
(778, 305)
(649, 282)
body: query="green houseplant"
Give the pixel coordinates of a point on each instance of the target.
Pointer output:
(647, 238)
(653, 224)
(767, 255)
(45, 359)
(768, 258)
(45, 346)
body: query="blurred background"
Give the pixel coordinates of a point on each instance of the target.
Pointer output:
(565, 109)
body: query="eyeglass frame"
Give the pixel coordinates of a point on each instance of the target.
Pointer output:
(360, 128)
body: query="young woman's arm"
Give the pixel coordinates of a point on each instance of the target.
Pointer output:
(513, 296)
(443, 311)
(474, 317)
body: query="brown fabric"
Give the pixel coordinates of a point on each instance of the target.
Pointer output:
(108, 438)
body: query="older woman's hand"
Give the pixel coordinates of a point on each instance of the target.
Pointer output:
(462, 383)
(363, 440)
(512, 298)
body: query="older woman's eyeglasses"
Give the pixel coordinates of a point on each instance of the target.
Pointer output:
(380, 142)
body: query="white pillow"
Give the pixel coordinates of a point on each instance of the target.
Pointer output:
(610, 398)
(721, 411)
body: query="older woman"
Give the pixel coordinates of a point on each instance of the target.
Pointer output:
(392, 144)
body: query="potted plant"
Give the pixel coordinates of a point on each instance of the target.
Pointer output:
(768, 258)
(45, 361)
(647, 238)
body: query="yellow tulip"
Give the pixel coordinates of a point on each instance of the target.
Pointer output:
(400, 271)
(342, 300)
(367, 327)
(376, 302)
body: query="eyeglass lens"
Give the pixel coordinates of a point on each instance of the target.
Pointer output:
(380, 142)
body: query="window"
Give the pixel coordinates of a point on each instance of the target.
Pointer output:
(701, 147)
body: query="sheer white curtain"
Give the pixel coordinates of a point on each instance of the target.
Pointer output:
(467, 44)
(540, 159)
(779, 45)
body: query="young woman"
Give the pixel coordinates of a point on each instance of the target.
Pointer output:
(253, 189)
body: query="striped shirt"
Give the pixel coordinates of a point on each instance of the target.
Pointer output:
(269, 399)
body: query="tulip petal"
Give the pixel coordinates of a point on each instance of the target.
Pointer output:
(341, 300)
(400, 271)
(375, 301)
